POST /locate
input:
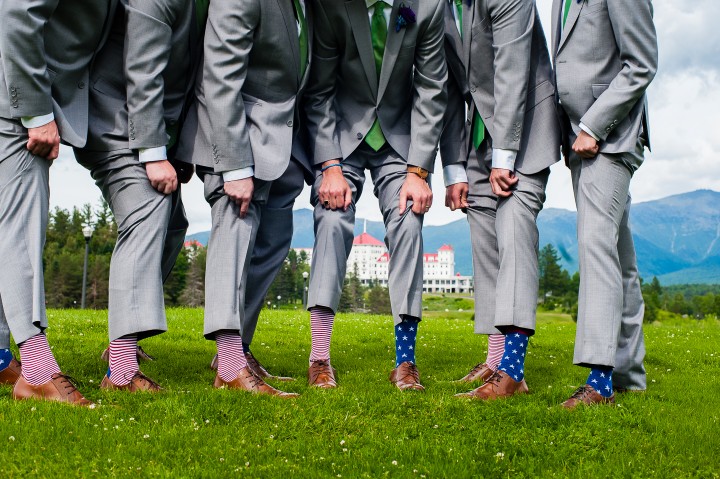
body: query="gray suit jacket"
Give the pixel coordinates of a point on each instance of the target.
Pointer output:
(246, 111)
(345, 96)
(605, 58)
(46, 48)
(142, 77)
(453, 141)
(510, 79)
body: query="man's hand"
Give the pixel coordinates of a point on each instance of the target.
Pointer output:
(241, 192)
(335, 192)
(502, 181)
(416, 189)
(44, 141)
(162, 176)
(456, 196)
(586, 146)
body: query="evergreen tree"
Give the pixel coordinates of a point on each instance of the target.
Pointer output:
(554, 281)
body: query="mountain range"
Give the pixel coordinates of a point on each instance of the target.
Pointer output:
(676, 238)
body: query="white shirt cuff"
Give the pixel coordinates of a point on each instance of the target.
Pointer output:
(241, 174)
(37, 121)
(454, 174)
(504, 159)
(148, 155)
(587, 130)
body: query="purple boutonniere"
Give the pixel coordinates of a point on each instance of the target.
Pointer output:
(406, 16)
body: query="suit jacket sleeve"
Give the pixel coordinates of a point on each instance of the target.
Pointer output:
(228, 43)
(430, 99)
(512, 29)
(320, 112)
(147, 50)
(22, 48)
(636, 38)
(453, 135)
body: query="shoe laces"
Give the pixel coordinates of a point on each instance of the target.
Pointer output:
(139, 375)
(255, 380)
(67, 382)
(495, 378)
(477, 368)
(580, 392)
(413, 372)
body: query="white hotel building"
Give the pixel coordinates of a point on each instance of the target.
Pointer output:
(370, 258)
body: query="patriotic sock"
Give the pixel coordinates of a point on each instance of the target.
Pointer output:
(405, 336)
(496, 346)
(321, 326)
(123, 363)
(38, 362)
(246, 347)
(513, 361)
(231, 358)
(600, 379)
(5, 358)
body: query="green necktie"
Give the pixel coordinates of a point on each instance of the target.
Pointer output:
(303, 38)
(201, 14)
(458, 7)
(567, 10)
(379, 31)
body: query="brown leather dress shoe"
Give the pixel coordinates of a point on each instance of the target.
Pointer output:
(406, 377)
(256, 367)
(139, 382)
(481, 372)
(11, 373)
(141, 354)
(588, 396)
(60, 388)
(247, 380)
(322, 375)
(499, 385)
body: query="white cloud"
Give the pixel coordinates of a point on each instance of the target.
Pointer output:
(684, 101)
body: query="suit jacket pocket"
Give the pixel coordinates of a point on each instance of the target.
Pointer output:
(598, 89)
(108, 88)
(538, 94)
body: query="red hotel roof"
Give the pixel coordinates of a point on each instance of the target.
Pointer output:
(366, 239)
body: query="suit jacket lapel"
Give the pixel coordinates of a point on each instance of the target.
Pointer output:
(573, 15)
(358, 16)
(286, 9)
(309, 20)
(392, 47)
(468, 17)
(556, 24)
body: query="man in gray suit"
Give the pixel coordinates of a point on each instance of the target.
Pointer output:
(605, 57)
(515, 133)
(379, 76)
(242, 135)
(46, 48)
(140, 85)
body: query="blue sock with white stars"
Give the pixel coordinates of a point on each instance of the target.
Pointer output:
(405, 335)
(5, 358)
(600, 379)
(513, 361)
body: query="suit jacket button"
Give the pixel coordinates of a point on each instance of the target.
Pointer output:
(81, 85)
(14, 106)
(290, 123)
(472, 89)
(359, 136)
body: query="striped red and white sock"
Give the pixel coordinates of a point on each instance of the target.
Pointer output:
(321, 326)
(496, 346)
(231, 358)
(38, 362)
(123, 364)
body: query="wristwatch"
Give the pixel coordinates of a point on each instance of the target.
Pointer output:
(421, 172)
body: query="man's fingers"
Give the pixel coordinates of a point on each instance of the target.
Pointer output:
(244, 205)
(403, 201)
(54, 152)
(348, 199)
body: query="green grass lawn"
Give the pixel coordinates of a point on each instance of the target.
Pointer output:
(365, 428)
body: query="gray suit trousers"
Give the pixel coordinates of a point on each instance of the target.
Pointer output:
(230, 248)
(272, 244)
(504, 238)
(611, 308)
(151, 230)
(24, 204)
(403, 234)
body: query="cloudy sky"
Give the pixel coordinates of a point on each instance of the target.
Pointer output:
(684, 106)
